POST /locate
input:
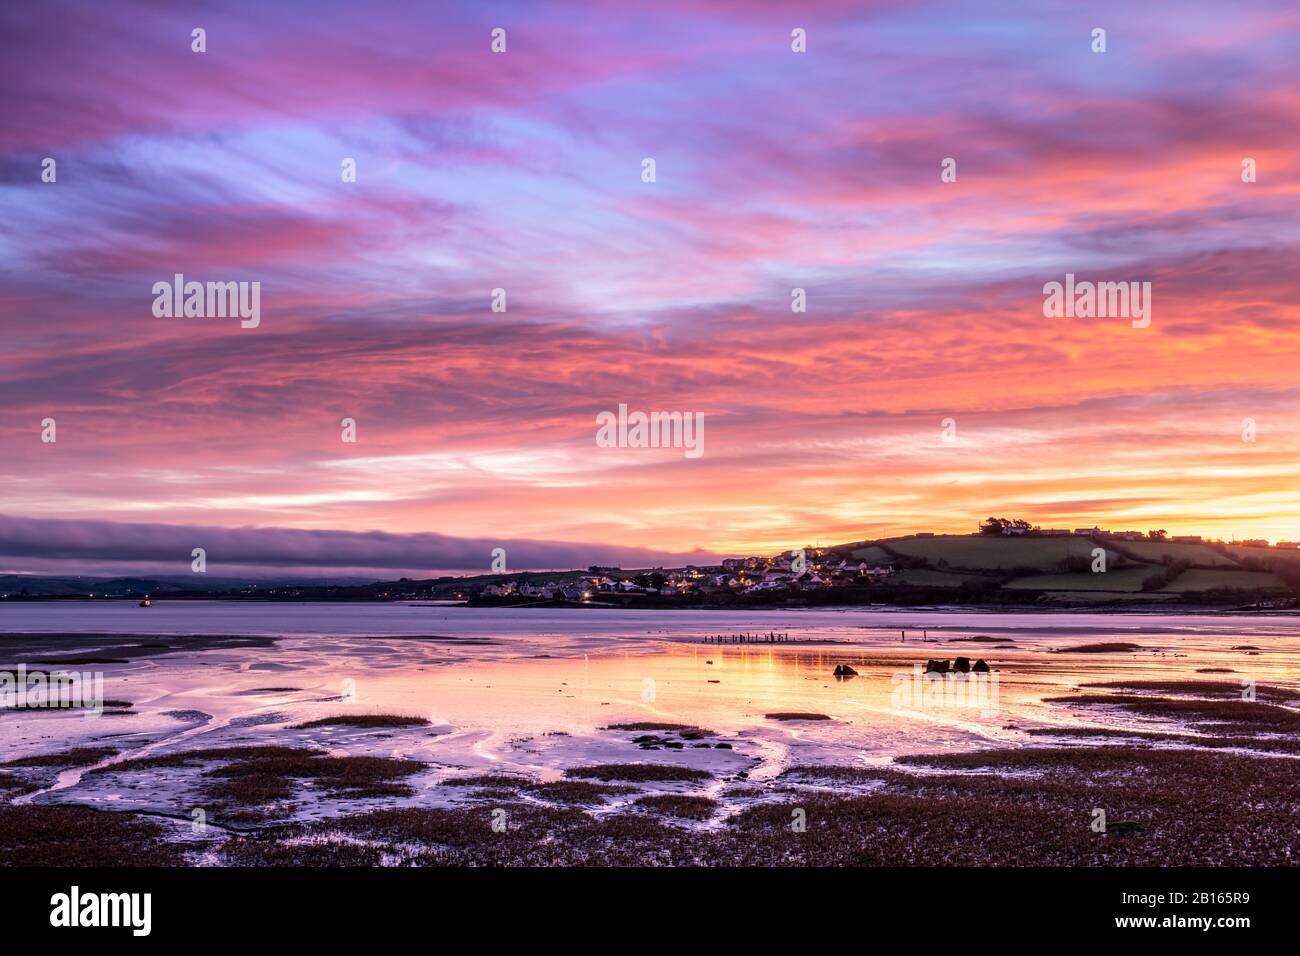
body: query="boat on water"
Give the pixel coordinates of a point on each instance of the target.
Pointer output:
(146, 603)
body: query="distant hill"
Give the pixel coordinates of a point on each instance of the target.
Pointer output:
(1058, 568)
(34, 585)
(974, 569)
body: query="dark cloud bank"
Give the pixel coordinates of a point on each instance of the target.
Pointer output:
(51, 543)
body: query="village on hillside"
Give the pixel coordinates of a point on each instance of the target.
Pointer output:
(806, 569)
(1007, 560)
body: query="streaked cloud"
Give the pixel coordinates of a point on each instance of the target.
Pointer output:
(775, 170)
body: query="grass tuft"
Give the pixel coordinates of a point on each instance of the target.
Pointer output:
(796, 715)
(676, 805)
(76, 757)
(637, 771)
(366, 721)
(1104, 647)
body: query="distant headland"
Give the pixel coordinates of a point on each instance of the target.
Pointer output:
(1005, 563)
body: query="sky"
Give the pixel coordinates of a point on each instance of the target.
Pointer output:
(524, 171)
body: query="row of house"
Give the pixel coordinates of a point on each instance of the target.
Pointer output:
(808, 569)
(799, 570)
(1096, 532)
(1093, 532)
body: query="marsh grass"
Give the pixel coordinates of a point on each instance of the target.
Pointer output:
(1202, 688)
(12, 785)
(1103, 647)
(1208, 716)
(194, 758)
(364, 721)
(486, 780)
(796, 715)
(677, 805)
(76, 757)
(832, 774)
(577, 791)
(78, 836)
(261, 779)
(645, 772)
(533, 836)
(655, 725)
(1020, 807)
(247, 777)
(256, 852)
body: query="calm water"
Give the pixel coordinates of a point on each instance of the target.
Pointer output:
(236, 617)
(535, 690)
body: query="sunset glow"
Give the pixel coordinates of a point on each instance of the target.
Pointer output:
(774, 172)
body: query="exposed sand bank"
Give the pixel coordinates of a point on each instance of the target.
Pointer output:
(657, 747)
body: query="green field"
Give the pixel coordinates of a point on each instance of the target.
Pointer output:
(871, 554)
(956, 558)
(1105, 597)
(921, 577)
(996, 554)
(1126, 580)
(1196, 579)
(1156, 551)
(1264, 554)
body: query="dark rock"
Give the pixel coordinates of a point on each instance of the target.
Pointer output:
(961, 665)
(844, 670)
(1125, 826)
(980, 667)
(936, 667)
(723, 746)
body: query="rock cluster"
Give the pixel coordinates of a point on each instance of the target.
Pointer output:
(961, 665)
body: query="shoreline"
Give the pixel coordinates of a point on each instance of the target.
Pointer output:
(287, 772)
(1038, 807)
(1135, 608)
